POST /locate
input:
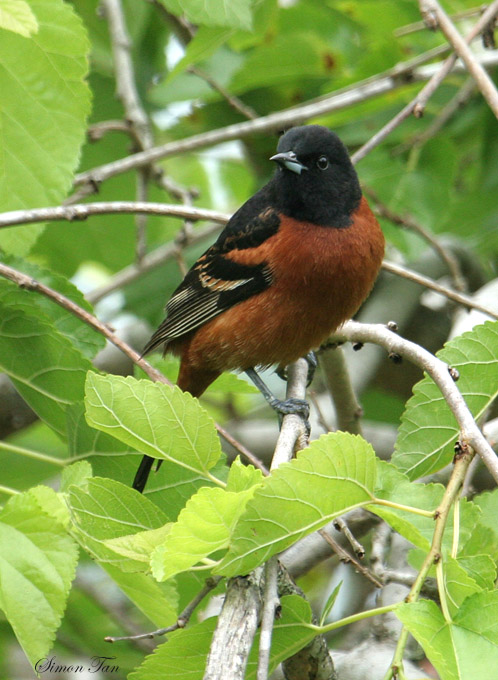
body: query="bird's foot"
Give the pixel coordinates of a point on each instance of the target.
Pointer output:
(291, 406)
(312, 365)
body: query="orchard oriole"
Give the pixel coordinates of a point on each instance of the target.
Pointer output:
(292, 264)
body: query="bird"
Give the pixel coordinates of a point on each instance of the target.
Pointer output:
(293, 263)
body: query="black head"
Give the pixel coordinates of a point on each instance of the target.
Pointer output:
(315, 180)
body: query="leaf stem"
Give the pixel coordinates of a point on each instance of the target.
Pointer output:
(35, 455)
(456, 529)
(406, 508)
(462, 462)
(441, 586)
(7, 490)
(354, 618)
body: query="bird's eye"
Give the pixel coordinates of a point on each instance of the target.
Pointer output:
(323, 163)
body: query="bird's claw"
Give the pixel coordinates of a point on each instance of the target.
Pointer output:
(312, 365)
(285, 407)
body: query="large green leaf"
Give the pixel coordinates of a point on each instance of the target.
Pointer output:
(44, 365)
(105, 509)
(203, 526)
(428, 429)
(37, 566)
(158, 420)
(45, 103)
(182, 657)
(158, 601)
(463, 649)
(334, 475)
(84, 337)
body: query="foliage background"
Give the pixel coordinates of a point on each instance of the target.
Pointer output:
(58, 78)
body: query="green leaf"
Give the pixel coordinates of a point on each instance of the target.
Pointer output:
(488, 502)
(77, 474)
(83, 336)
(37, 566)
(203, 526)
(394, 486)
(242, 477)
(330, 603)
(158, 601)
(158, 420)
(458, 584)
(45, 103)
(51, 503)
(107, 509)
(235, 13)
(203, 44)
(182, 657)
(464, 649)
(139, 546)
(428, 430)
(291, 56)
(45, 367)
(481, 568)
(334, 475)
(17, 16)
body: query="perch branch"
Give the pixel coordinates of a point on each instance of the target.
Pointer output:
(470, 433)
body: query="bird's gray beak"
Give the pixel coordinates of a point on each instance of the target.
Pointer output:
(290, 161)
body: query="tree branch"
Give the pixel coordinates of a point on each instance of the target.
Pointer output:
(81, 211)
(134, 111)
(462, 299)
(483, 81)
(469, 431)
(409, 223)
(350, 96)
(417, 105)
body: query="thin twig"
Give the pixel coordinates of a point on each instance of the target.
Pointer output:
(81, 211)
(341, 525)
(417, 105)
(270, 604)
(450, 496)
(276, 121)
(30, 284)
(462, 299)
(420, 25)
(470, 433)
(182, 619)
(482, 79)
(347, 558)
(233, 101)
(447, 112)
(134, 111)
(409, 223)
(348, 410)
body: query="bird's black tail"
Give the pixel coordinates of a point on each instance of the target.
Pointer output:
(143, 473)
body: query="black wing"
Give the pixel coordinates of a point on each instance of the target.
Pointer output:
(215, 282)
